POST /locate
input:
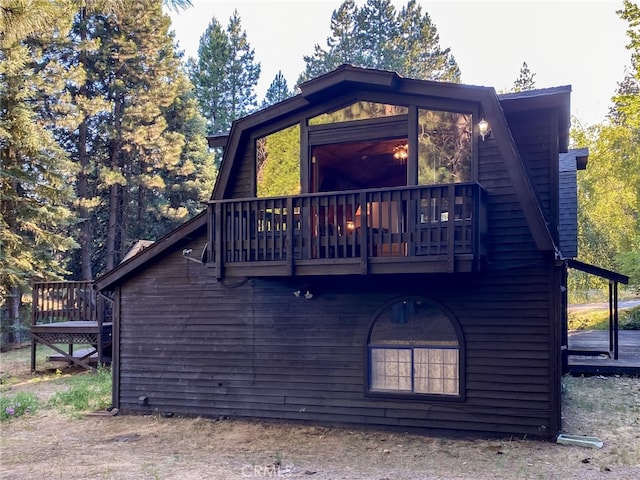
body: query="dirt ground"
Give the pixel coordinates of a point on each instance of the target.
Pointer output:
(47, 444)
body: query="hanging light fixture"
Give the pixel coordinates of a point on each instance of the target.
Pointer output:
(401, 151)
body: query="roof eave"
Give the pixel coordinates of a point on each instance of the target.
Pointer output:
(347, 76)
(558, 98)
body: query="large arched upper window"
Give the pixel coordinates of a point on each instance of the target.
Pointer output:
(415, 348)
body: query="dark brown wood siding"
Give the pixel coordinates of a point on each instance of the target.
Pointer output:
(249, 347)
(568, 213)
(536, 136)
(244, 183)
(189, 344)
(510, 240)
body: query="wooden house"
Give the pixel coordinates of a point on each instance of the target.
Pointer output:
(377, 250)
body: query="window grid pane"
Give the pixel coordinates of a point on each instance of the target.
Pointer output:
(435, 370)
(391, 369)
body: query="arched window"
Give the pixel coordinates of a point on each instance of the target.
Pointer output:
(415, 348)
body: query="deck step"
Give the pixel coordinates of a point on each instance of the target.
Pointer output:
(80, 353)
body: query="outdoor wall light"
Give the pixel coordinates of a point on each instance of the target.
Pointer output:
(308, 295)
(483, 129)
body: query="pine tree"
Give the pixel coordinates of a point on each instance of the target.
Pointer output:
(208, 75)
(151, 136)
(378, 27)
(35, 172)
(377, 36)
(344, 42)
(243, 72)
(225, 74)
(191, 181)
(525, 80)
(277, 91)
(418, 53)
(75, 50)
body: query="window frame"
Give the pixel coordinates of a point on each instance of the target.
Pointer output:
(349, 131)
(422, 344)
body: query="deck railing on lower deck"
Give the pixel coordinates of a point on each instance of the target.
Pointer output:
(360, 231)
(63, 301)
(70, 313)
(67, 301)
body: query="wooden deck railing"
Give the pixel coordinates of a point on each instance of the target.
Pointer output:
(359, 231)
(63, 301)
(70, 313)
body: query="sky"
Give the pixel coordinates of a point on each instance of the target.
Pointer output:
(564, 42)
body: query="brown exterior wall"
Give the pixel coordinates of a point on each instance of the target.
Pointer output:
(251, 348)
(536, 138)
(192, 345)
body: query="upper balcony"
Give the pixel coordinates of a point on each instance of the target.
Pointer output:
(417, 229)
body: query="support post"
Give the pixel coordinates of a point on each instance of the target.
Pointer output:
(615, 321)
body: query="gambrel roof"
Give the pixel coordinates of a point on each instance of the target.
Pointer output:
(349, 81)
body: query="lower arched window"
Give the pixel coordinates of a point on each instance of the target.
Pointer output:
(415, 348)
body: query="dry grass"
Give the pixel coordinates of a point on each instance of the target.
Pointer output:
(48, 443)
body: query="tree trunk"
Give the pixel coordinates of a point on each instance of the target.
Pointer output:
(83, 195)
(15, 303)
(83, 159)
(115, 193)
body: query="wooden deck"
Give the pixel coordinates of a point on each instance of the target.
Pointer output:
(593, 341)
(70, 314)
(71, 333)
(419, 229)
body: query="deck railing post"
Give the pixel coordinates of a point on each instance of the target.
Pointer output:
(451, 227)
(364, 247)
(289, 242)
(34, 307)
(100, 318)
(615, 321)
(611, 316)
(217, 230)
